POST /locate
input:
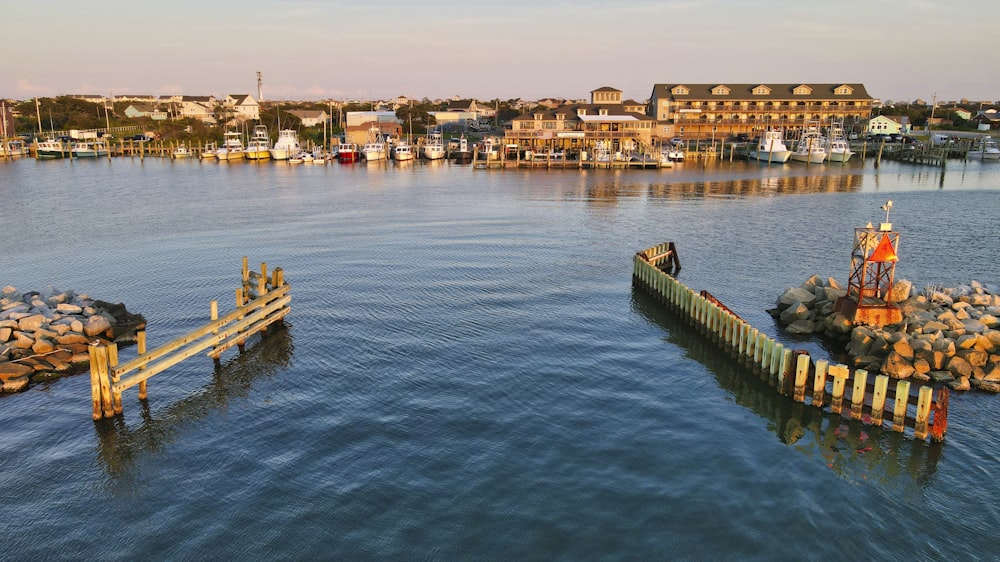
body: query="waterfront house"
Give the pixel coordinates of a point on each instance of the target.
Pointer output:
(988, 120)
(243, 106)
(310, 117)
(701, 111)
(358, 125)
(962, 113)
(888, 125)
(139, 110)
(580, 126)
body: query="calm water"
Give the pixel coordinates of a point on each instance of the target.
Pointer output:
(467, 372)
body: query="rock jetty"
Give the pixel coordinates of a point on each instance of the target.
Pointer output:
(45, 334)
(948, 335)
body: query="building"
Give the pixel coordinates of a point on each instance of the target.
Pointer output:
(988, 120)
(581, 126)
(243, 106)
(888, 125)
(359, 125)
(703, 111)
(310, 117)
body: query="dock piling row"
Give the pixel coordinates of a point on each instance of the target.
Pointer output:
(788, 371)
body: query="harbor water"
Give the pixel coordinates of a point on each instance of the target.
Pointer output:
(467, 372)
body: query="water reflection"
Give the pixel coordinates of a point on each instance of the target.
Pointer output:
(120, 446)
(853, 451)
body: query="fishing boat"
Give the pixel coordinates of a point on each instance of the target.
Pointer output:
(348, 153)
(319, 156)
(461, 153)
(488, 149)
(985, 149)
(181, 151)
(434, 148)
(838, 149)
(374, 149)
(403, 152)
(259, 145)
(232, 147)
(50, 149)
(13, 148)
(89, 149)
(811, 146)
(208, 151)
(286, 145)
(771, 148)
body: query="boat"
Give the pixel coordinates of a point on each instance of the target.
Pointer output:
(181, 151)
(259, 145)
(319, 156)
(347, 153)
(12, 148)
(286, 145)
(434, 148)
(89, 149)
(673, 152)
(208, 151)
(488, 150)
(374, 149)
(838, 149)
(232, 147)
(403, 152)
(985, 149)
(811, 146)
(50, 149)
(461, 153)
(770, 148)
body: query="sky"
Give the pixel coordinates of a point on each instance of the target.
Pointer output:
(363, 50)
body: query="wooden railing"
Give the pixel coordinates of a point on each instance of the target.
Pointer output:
(260, 302)
(794, 374)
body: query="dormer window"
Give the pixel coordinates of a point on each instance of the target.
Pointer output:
(802, 90)
(680, 90)
(761, 90)
(843, 90)
(538, 116)
(720, 90)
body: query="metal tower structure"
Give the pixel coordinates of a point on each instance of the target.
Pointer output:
(260, 86)
(873, 266)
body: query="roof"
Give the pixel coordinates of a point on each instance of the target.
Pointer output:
(745, 91)
(307, 113)
(613, 112)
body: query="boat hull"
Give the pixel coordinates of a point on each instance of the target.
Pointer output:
(348, 157)
(779, 156)
(839, 156)
(815, 157)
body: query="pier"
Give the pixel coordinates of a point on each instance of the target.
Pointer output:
(260, 302)
(834, 388)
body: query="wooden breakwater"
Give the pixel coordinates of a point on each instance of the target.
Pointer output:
(835, 388)
(260, 302)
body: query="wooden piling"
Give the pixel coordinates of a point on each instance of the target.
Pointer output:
(902, 401)
(858, 393)
(141, 350)
(878, 398)
(840, 375)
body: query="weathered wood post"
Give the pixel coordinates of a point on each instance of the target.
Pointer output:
(140, 344)
(902, 401)
(858, 394)
(840, 375)
(819, 382)
(878, 398)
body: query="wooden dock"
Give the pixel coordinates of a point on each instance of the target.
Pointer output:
(834, 388)
(260, 302)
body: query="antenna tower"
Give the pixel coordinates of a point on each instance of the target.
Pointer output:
(260, 87)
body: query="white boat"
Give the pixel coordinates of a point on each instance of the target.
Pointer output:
(12, 148)
(770, 148)
(374, 149)
(286, 145)
(403, 152)
(300, 157)
(89, 149)
(319, 156)
(602, 152)
(811, 147)
(50, 149)
(232, 147)
(181, 151)
(208, 151)
(838, 149)
(985, 149)
(488, 150)
(434, 148)
(259, 145)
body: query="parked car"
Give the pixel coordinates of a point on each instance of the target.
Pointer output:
(140, 138)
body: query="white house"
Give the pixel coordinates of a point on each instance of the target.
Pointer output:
(245, 107)
(310, 117)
